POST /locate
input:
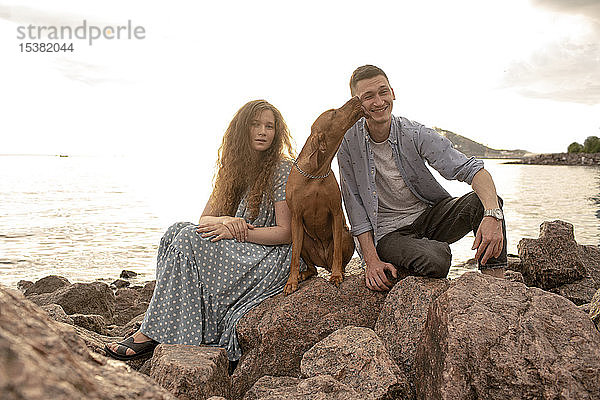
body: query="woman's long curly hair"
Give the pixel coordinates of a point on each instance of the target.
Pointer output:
(241, 169)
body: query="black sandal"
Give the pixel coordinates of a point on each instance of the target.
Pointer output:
(141, 349)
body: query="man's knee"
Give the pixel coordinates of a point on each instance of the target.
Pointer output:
(436, 263)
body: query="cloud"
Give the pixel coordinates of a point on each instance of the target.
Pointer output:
(567, 70)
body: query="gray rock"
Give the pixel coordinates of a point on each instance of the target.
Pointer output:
(127, 274)
(57, 313)
(81, 298)
(403, 317)
(120, 283)
(23, 285)
(129, 303)
(44, 359)
(513, 276)
(356, 357)
(579, 292)
(275, 334)
(553, 259)
(316, 388)
(94, 323)
(489, 338)
(47, 284)
(191, 372)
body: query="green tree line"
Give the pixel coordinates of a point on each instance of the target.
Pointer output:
(590, 145)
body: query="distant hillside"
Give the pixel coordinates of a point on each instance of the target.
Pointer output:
(472, 148)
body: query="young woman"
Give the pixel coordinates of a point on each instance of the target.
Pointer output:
(210, 274)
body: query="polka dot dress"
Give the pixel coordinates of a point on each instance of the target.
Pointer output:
(204, 288)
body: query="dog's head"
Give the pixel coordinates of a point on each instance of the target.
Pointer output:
(328, 130)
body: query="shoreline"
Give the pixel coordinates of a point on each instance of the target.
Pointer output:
(587, 159)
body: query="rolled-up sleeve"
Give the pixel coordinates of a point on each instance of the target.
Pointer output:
(445, 159)
(359, 221)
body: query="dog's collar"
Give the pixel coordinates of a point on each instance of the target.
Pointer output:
(309, 176)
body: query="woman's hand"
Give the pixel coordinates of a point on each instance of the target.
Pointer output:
(229, 228)
(238, 228)
(214, 231)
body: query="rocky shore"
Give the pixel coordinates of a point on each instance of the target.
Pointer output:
(531, 335)
(560, 159)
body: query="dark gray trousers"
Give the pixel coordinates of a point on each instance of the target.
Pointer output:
(422, 248)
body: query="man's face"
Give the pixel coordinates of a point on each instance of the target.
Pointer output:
(377, 98)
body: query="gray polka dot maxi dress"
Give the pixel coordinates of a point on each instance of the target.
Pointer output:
(204, 288)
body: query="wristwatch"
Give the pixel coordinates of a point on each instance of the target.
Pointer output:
(494, 212)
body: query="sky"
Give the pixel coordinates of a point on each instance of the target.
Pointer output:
(510, 74)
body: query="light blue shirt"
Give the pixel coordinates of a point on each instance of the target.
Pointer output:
(412, 145)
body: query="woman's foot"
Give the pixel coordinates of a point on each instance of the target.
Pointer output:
(132, 347)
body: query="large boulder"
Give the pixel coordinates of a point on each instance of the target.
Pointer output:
(57, 313)
(191, 372)
(553, 259)
(276, 334)
(81, 298)
(47, 284)
(489, 338)
(94, 323)
(316, 388)
(356, 357)
(129, 303)
(44, 359)
(579, 292)
(590, 255)
(403, 317)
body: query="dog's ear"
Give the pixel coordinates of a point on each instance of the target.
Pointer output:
(314, 152)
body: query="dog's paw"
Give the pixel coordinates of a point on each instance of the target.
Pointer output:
(306, 274)
(336, 279)
(290, 287)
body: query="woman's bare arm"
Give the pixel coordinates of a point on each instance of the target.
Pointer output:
(278, 234)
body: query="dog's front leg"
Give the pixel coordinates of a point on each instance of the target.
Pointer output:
(337, 272)
(297, 238)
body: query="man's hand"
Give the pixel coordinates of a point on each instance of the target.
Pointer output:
(489, 240)
(375, 278)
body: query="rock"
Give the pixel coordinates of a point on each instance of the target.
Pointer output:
(94, 323)
(317, 388)
(553, 259)
(403, 317)
(57, 313)
(275, 334)
(594, 311)
(579, 292)
(216, 398)
(590, 255)
(356, 357)
(24, 285)
(513, 262)
(120, 283)
(585, 308)
(489, 338)
(191, 372)
(513, 276)
(129, 303)
(47, 285)
(81, 298)
(127, 329)
(127, 274)
(44, 359)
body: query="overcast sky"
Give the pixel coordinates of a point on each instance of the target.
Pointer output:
(509, 74)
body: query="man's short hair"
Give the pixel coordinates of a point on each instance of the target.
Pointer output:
(365, 72)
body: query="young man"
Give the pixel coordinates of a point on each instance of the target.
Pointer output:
(402, 217)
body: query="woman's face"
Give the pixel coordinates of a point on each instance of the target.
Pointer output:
(262, 130)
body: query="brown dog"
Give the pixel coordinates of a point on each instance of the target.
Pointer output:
(319, 231)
